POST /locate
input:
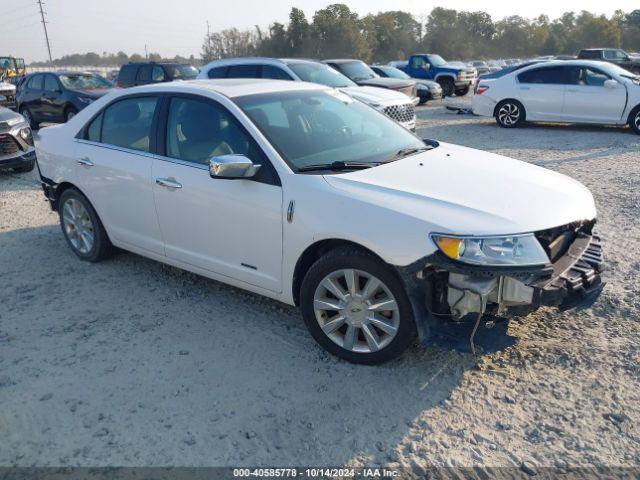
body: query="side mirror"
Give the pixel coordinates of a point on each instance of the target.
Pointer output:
(426, 66)
(610, 84)
(232, 166)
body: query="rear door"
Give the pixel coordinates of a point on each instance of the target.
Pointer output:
(33, 97)
(115, 162)
(542, 92)
(588, 100)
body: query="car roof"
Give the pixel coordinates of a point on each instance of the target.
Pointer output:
(229, 87)
(225, 62)
(341, 60)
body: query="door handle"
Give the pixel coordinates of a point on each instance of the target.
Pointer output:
(525, 88)
(85, 161)
(165, 182)
(572, 90)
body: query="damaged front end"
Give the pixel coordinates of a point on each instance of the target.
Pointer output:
(445, 289)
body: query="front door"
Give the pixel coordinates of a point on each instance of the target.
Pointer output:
(232, 227)
(588, 100)
(115, 164)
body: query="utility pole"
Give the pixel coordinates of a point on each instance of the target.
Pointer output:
(46, 35)
(146, 54)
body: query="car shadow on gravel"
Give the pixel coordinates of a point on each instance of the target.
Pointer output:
(143, 364)
(11, 181)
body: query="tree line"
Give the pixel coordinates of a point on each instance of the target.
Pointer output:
(336, 31)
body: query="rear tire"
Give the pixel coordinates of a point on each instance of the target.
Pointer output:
(82, 228)
(26, 168)
(372, 315)
(634, 120)
(510, 114)
(448, 87)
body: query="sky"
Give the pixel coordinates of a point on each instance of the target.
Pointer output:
(177, 27)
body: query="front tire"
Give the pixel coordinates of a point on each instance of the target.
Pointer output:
(82, 228)
(25, 168)
(356, 307)
(69, 113)
(634, 120)
(26, 113)
(462, 92)
(510, 114)
(448, 87)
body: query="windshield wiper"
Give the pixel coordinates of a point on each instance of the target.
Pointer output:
(336, 166)
(407, 152)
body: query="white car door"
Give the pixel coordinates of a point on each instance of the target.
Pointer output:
(115, 172)
(232, 227)
(589, 100)
(542, 92)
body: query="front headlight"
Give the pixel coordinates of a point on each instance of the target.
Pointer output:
(26, 135)
(509, 250)
(86, 100)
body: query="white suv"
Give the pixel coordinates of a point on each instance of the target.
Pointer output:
(395, 105)
(302, 194)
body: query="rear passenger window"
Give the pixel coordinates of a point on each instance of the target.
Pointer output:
(93, 131)
(127, 123)
(127, 73)
(144, 74)
(243, 71)
(36, 82)
(275, 73)
(551, 75)
(220, 72)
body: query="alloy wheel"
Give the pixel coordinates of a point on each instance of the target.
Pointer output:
(636, 121)
(509, 114)
(78, 225)
(356, 310)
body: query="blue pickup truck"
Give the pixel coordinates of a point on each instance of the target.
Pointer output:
(452, 79)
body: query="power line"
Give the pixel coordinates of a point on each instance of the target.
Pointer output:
(44, 25)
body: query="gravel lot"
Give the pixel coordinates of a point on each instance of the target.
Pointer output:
(130, 362)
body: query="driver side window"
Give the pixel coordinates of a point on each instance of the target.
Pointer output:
(198, 130)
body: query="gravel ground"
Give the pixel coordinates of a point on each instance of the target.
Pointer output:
(130, 362)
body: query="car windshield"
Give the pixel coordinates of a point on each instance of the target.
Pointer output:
(436, 60)
(84, 82)
(320, 73)
(182, 72)
(325, 128)
(393, 72)
(6, 62)
(356, 71)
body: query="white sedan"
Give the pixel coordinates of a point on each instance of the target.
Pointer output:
(302, 194)
(572, 91)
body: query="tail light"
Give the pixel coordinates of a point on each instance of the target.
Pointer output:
(480, 89)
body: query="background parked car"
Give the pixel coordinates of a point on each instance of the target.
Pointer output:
(576, 91)
(430, 66)
(363, 75)
(503, 72)
(480, 66)
(7, 94)
(393, 104)
(612, 55)
(16, 142)
(144, 73)
(426, 89)
(57, 96)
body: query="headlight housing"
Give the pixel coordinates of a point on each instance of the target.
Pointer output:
(496, 251)
(26, 135)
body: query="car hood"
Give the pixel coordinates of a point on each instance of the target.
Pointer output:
(7, 115)
(393, 83)
(377, 95)
(469, 192)
(7, 87)
(93, 93)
